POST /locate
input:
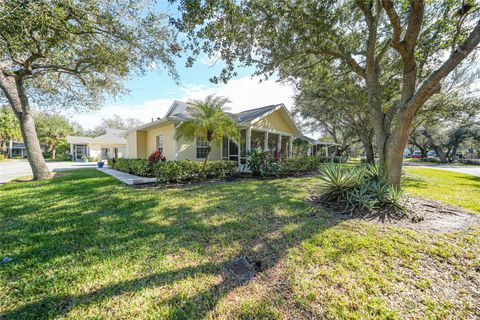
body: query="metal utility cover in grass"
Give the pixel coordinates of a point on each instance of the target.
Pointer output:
(241, 269)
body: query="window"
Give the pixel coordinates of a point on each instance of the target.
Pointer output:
(202, 147)
(159, 143)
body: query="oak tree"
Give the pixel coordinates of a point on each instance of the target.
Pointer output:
(66, 53)
(427, 39)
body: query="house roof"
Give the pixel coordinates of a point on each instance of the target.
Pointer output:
(314, 141)
(252, 114)
(112, 136)
(178, 113)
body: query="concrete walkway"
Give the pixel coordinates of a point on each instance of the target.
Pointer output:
(466, 169)
(128, 179)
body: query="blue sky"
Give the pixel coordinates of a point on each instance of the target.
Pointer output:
(151, 95)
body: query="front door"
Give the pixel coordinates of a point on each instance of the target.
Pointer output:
(79, 152)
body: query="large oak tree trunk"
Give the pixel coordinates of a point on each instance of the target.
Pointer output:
(370, 155)
(14, 90)
(390, 146)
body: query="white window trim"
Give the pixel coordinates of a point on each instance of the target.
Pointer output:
(201, 147)
(159, 142)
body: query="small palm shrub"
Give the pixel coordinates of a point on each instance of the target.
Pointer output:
(358, 188)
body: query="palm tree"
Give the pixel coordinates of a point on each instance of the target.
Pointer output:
(9, 128)
(208, 121)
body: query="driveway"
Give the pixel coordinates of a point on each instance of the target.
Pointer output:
(472, 170)
(13, 169)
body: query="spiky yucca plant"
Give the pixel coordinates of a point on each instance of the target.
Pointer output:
(336, 182)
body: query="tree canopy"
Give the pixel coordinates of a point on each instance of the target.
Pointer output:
(115, 122)
(425, 40)
(65, 53)
(52, 130)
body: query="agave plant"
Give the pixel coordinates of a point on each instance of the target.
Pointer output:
(336, 181)
(393, 198)
(373, 171)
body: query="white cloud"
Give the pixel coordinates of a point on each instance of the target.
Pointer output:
(245, 93)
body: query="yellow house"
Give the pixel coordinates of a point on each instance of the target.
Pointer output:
(268, 128)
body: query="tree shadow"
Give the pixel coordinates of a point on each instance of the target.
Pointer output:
(264, 219)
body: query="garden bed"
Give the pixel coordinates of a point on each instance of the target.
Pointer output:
(419, 214)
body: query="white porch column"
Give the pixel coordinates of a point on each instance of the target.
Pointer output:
(248, 140)
(10, 146)
(265, 141)
(279, 143)
(290, 147)
(174, 137)
(309, 151)
(72, 151)
(239, 153)
(326, 150)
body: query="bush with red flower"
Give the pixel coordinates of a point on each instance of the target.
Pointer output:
(156, 157)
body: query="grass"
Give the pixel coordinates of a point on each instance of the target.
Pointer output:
(84, 246)
(446, 186)
(454, 164)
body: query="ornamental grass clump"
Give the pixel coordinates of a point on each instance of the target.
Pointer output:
(360, 190)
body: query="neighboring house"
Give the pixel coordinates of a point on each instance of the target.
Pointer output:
(110, 145)
(17, 149)
(270, 127)
(318, 147)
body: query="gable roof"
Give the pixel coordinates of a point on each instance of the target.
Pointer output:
(178, 113)
(252, 114)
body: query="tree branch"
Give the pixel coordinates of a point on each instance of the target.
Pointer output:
(432, 83)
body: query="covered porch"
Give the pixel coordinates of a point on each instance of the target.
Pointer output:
(280, 144)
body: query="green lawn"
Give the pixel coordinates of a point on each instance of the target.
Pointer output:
(446, 186)
(84, 246)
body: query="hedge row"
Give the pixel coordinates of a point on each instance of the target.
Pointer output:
(176, 171)
(186, 170)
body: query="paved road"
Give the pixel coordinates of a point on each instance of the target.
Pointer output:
(473, 170)
(10, 170)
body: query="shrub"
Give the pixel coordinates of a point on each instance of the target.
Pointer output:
(156, 156)
(358, 188)
(220, 169)
(111, 162)
(470, 161)
(122, 165)
(337, 181)
(141, 167)
(2, 156)
(302, 164)
(263, 164)
(186, 170)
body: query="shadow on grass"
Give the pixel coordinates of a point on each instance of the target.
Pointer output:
(86, 211)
